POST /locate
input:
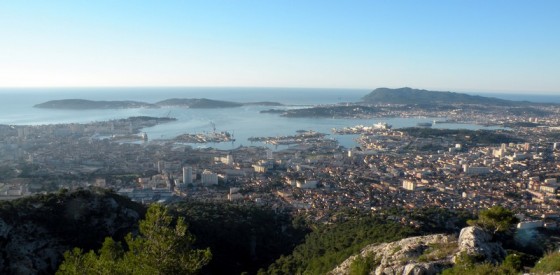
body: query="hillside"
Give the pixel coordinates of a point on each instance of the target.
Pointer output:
(429, 254)
(35, 231)
(242, 237)
(415, 96)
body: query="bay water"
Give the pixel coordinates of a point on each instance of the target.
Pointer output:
(16, 108)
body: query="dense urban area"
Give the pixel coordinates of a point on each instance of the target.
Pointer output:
(293, 204)
(517, 167)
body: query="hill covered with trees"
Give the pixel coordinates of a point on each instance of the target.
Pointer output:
(408, 95)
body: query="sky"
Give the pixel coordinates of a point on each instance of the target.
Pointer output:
(457, 45)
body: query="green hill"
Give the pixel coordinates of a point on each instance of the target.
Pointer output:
(415, 96)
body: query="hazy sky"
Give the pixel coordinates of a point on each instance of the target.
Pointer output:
(446, 44)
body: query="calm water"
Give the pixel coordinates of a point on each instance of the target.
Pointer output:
(16, 108)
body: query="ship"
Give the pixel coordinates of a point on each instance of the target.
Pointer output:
(424, 124)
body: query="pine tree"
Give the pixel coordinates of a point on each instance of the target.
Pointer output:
(158, 249)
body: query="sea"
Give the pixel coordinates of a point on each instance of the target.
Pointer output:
(16, 108)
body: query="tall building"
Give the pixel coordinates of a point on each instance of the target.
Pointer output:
(187, 175)
(160, 166)
(209, 178)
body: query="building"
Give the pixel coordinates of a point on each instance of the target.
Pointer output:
(409, 185)
(259, 168)
(472, 170)
(234, 194)
(160, 166)
(209, 178)
(307, 184)
(187, 175)
(228, 160)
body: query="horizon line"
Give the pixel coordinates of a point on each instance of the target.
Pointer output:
(540, 92)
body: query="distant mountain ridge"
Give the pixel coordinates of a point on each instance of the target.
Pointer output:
(408, 95)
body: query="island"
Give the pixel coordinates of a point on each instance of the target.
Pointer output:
(84, 104)
(195, 103)
(198, 103)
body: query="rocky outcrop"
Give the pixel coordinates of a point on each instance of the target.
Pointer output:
(426, 255)
(416, 255)
(475, 241)
(36, 231)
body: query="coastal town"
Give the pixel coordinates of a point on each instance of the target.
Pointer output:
(517, 166)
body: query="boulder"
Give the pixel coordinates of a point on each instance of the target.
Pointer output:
(477, 242)
(405, 256)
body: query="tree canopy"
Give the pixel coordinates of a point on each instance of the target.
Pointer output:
(158, 249)
(495, 219)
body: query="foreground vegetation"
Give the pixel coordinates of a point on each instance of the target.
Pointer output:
(158, 249)
(548, 264)
(242, 237)
(330, 245)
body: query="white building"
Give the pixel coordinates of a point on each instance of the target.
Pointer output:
(228, 160)
(409, 185)
(259, 168)
(307, 184)
(187, 175)
(209, 178)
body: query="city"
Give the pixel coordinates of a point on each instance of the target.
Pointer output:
(412, 168)
(280, 138)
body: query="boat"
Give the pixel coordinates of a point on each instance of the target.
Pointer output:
(424, 124)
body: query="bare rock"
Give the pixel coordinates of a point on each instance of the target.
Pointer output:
(475, 241)
(416, 255)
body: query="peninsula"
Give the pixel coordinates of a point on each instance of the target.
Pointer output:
(408, 102)
(408, 95)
